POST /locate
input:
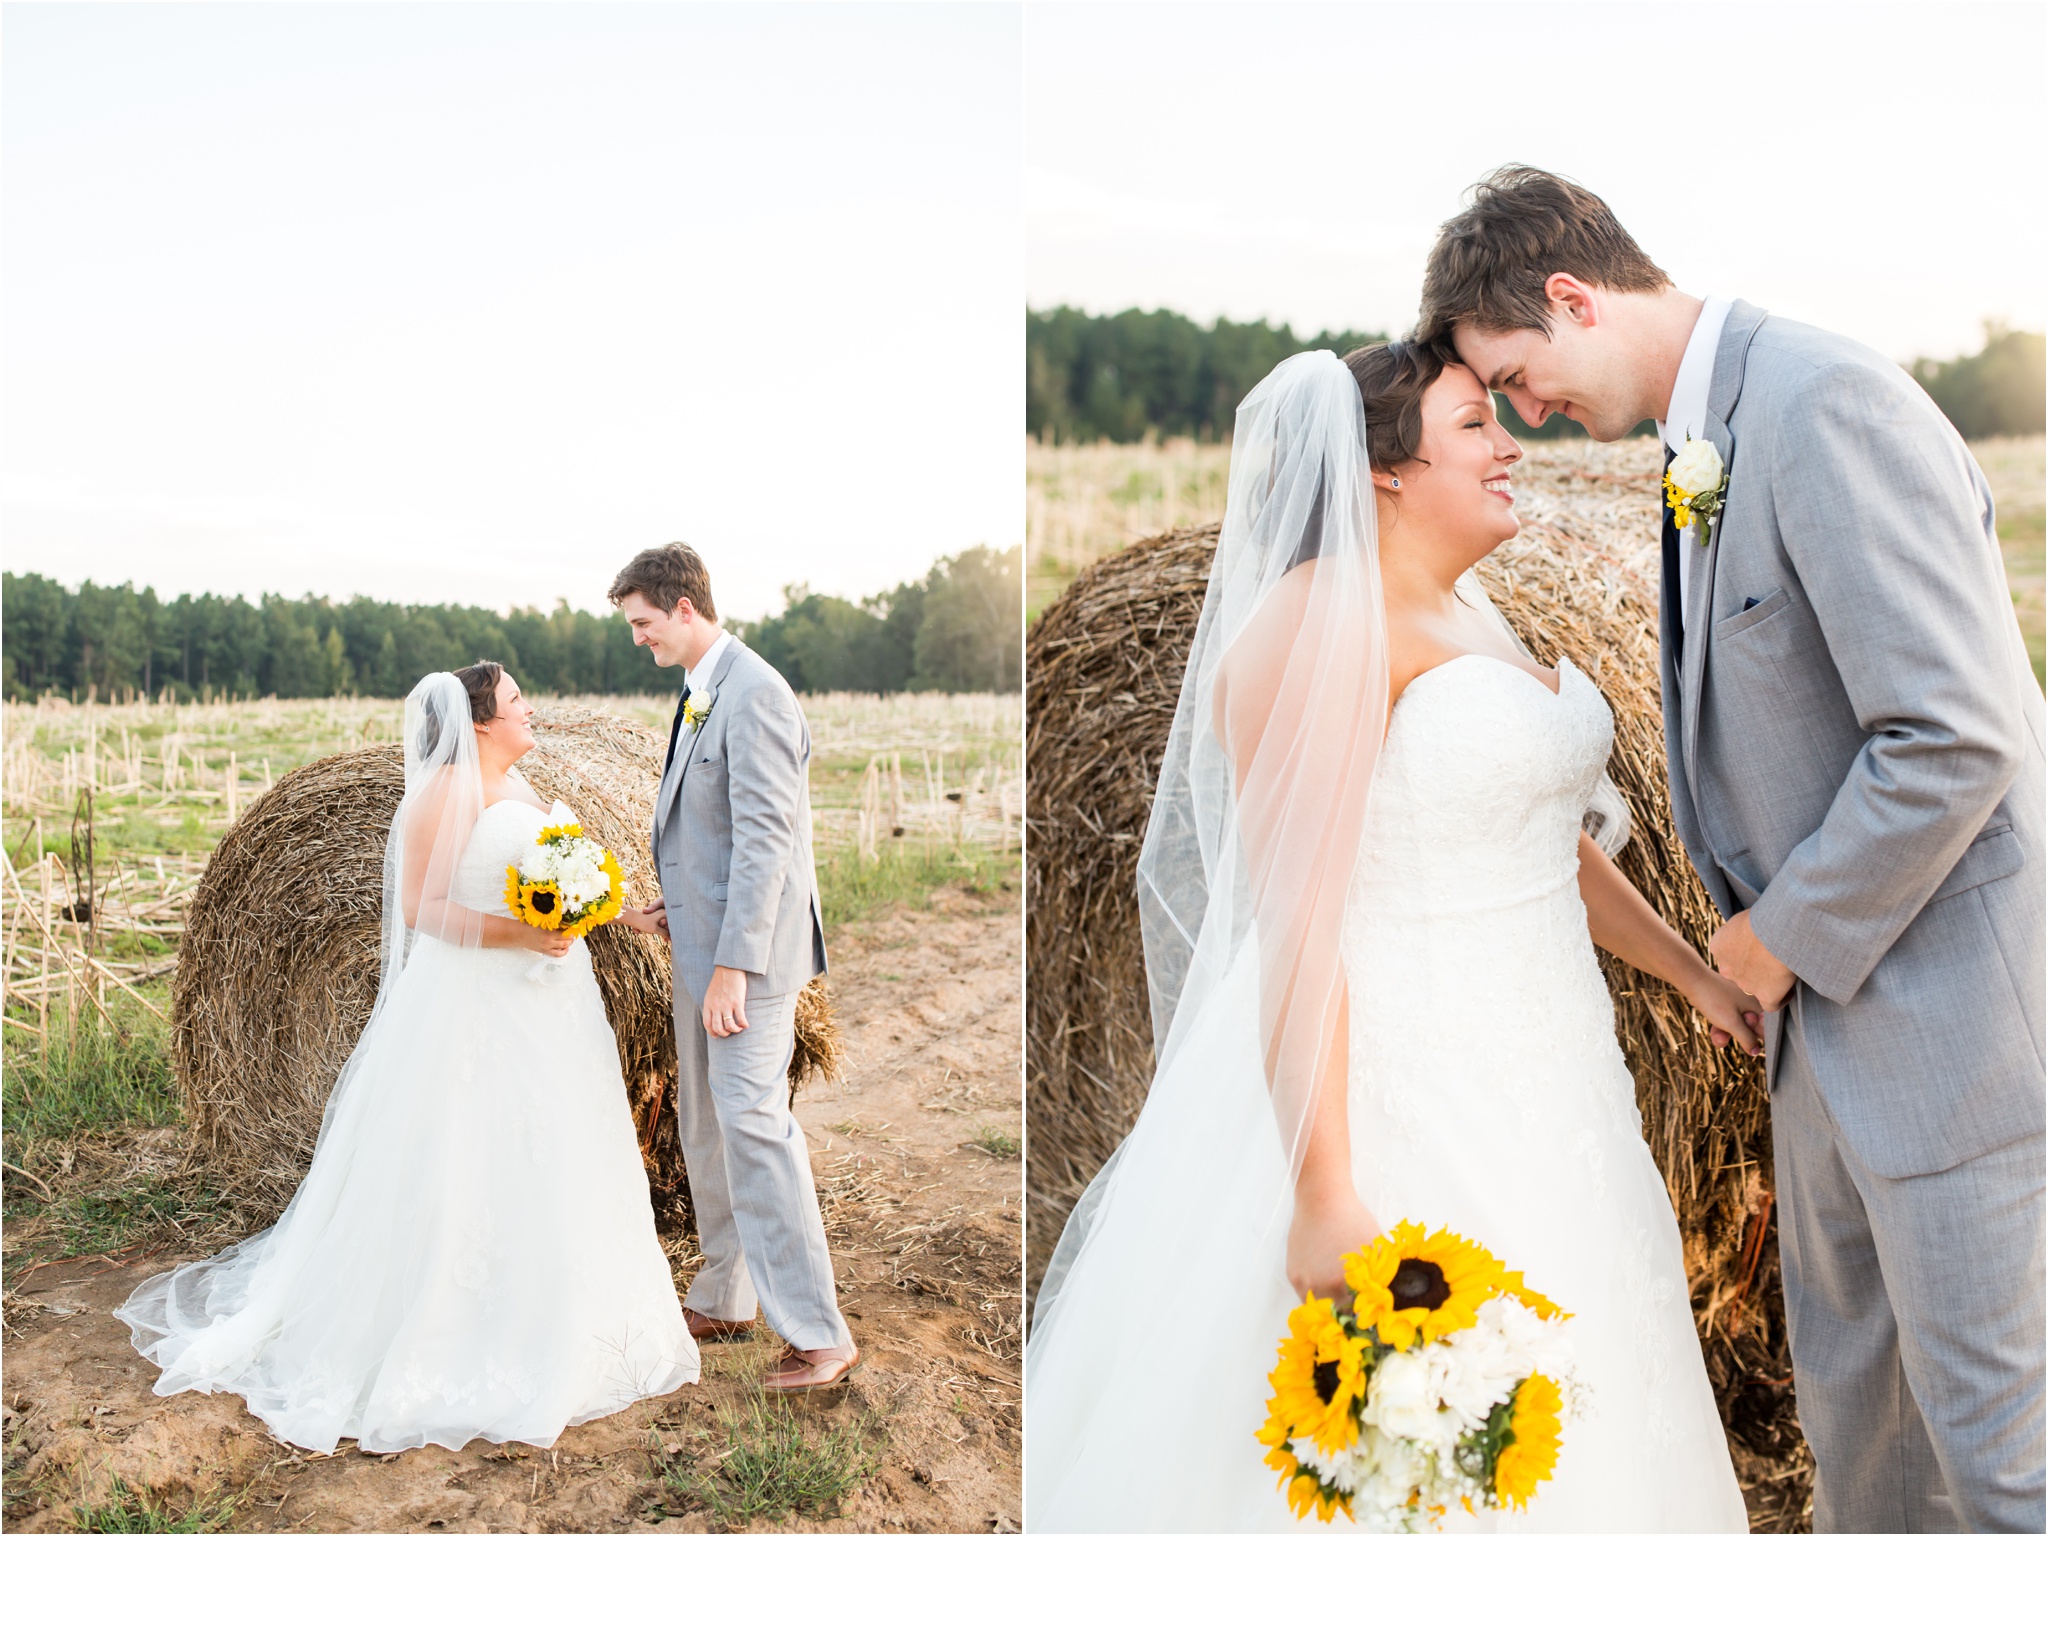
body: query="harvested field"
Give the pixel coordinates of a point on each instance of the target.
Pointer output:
(1086, 501)
(1103, 672)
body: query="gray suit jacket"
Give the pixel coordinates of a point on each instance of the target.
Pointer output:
(732, 835)
(1855, 744)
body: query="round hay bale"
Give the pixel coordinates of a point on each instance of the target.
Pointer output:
(278, 968)
(1103, 673)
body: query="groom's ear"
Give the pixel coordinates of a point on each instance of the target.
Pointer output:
(1573, 300)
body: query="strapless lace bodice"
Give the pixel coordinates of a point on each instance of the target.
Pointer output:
(506, 829)
(1481, 787)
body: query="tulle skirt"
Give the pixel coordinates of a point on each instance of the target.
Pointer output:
(472, 1253)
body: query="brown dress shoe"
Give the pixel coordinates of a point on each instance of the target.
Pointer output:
(715, 1329)
(800, 1371)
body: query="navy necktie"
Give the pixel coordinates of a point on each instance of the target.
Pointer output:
(675, 727)
(1674, 586)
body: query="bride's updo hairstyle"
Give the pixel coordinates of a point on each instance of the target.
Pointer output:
(1392, 377)
(480, 682)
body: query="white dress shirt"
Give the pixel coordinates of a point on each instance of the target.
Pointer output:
(698, 677)
(1687, 415)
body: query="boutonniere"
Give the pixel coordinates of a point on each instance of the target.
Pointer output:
(694, 713)
(1695, 485)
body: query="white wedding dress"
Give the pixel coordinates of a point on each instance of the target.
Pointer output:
(1488, 1095)
(472, 1252)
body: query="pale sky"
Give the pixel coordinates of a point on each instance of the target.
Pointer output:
(471, 302)
(1873, 169)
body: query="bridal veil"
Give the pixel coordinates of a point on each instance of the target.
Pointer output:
(1249, 855)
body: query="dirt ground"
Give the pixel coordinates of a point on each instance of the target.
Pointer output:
(918, 1170)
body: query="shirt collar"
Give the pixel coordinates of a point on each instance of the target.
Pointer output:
(1687, 415)
(698, 678)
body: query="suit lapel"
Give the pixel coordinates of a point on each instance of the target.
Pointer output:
(686, 746)
(671, 779)
(1730, 358)
(1699, 603)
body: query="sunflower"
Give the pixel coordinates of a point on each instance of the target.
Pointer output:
(1319, 1381)
(1304, 1490)
(1412, 1282)
(1533, 1441)
(540, 904)
(558, 832)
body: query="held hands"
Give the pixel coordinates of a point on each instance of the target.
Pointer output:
(1733, 1015)
(1327, 1227)
(652, 920)
(725, 1002)
(1740, 956)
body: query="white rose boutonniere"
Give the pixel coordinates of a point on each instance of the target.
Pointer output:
(694, 712)
(1695, 485)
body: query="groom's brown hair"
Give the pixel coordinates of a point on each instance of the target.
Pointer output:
(1491, 261)
(664, 575)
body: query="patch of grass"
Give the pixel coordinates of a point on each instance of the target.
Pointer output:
(127, 1512)
(91, 1077)
(774, 1462)
(75, 1184)
(997, 1144)
(97, 1223)
(907, 873)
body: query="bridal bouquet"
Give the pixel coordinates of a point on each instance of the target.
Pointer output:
(1444, 1381)
(564, 882)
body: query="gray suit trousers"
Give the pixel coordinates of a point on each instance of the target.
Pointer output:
(750, 1176)
(1916, 1313)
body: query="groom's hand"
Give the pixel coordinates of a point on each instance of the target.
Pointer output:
(725, 1002)
(653, 920)
(1740, 956)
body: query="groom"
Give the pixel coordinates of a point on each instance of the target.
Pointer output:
(1854, 739)
(732, 846)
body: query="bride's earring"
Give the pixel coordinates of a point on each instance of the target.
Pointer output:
(1395, 481)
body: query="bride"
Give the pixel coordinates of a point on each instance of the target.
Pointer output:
(472, 1253)
(1370, 909)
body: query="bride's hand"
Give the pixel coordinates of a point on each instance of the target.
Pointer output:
(543, 941)
(1325, 1231)
(653, 920)
(1731, 1014)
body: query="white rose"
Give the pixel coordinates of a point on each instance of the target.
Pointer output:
(1401, 1402)
(536, 863)
(1697, 470)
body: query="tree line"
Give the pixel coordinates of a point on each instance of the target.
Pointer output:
(1121, 375)
(1129, 375)
(960, 629)
(946, 631)
(2001, 390)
